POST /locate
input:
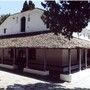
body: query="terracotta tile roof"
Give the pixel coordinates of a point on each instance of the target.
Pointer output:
(48, 40)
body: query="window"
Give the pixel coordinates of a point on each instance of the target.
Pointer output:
(28, 17)
(4, 30)
(13, 17)
(32, 53)
(17, 20)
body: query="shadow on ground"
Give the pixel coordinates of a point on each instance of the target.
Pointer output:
(30, 75)
(51, 85)
(40, 86)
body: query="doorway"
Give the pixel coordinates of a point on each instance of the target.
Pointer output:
(23, 24)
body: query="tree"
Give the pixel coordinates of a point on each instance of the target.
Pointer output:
(3, 18)
(66, 17)
(28, 6)
(25, 6)
(31, 5)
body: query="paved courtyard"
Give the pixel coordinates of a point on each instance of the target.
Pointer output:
(26, 83)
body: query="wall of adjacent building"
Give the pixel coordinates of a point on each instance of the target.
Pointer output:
(74, 60)
(74, 57)
(38, 62)
(1, 55)
(50, 57)
(65, 57)
(53, 56)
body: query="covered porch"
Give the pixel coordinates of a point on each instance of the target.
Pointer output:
(23, 59)
(45, 54)
(45, 61)
(74, 69)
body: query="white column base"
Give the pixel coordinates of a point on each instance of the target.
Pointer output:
(74, 77)
(38, 72)
(7, 66)
(65, 77)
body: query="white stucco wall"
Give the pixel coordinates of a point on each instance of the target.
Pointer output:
(84, 34)
(13, 22)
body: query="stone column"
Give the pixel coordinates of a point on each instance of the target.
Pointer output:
(14, 58)
(80, 59)
(44, 59)
(69, 61)
(85, 58)
(26, 57)
(2, 55)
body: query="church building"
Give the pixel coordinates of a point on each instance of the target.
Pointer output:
(27, 45)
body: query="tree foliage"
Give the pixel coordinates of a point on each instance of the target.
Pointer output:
(3, 18)
(28, 6)
(31, 5)
(66, 17)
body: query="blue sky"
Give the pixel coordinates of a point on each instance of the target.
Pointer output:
(14, 6)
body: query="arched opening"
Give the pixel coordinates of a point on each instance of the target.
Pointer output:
(23, 24)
